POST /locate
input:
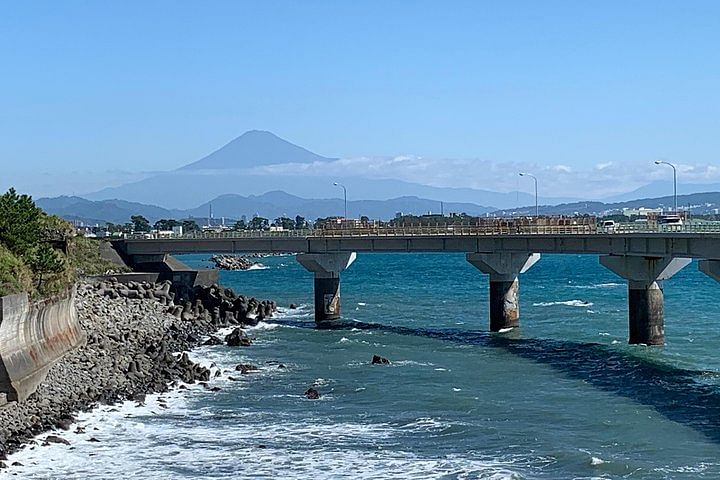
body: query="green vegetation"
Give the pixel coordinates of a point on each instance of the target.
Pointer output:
(15, 276)
(84, 256)
(39, 253)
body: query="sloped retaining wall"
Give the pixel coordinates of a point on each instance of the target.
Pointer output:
(33, 336)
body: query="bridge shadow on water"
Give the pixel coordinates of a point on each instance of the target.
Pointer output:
(674, 392)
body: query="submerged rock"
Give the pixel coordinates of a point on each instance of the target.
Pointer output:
(378, 360)
(312, 394)
(246, 368)
(56, 439)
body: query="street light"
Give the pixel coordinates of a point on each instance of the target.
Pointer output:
(663, 162)
(345, 194)
(523, 174)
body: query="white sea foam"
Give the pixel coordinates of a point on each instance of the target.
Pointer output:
(505, 330)
(598, 285)
(569, 303)
(257, 266)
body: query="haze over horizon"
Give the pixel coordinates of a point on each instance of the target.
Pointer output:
(585, 97)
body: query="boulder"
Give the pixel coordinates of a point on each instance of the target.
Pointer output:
(56, 439)
(312, 394)
(378, 360)
(238, 338)
(213, 340)
(245, 368)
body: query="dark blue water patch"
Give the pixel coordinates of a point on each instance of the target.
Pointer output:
(674, 392)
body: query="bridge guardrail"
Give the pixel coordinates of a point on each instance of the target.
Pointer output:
(453, 230)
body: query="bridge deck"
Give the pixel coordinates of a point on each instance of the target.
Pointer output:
(689, 245)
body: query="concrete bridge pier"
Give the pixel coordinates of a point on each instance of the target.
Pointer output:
(645, 276)
(711, 268)
(504, 269)
(327, 268)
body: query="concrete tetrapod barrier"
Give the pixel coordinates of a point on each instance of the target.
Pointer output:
(33, 336)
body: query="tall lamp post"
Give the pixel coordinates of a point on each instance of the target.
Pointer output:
(345, 195)
(663, 162)
(537, 210)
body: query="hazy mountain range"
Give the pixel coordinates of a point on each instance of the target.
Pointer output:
(276, 204)
(230, 180)
(229, 170)
(269, 205)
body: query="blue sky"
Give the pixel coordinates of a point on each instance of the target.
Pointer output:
(99, 91)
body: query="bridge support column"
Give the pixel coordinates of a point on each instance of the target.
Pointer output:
(645, 276)
(711, 268)
(504, 269)
(327, 268)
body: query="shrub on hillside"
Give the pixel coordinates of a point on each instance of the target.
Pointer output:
(15, 275)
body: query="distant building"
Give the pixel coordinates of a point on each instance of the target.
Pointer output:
(641, 211)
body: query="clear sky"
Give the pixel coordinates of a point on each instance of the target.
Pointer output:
(98, 88)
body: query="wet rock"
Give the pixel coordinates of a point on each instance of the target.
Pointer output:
(213, 340)
(378, 360)
(56, 439)
(245, 368)
(312, 394)
(238, 338)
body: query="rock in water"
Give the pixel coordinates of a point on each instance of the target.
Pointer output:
(312, 394)
(246, 368)
(378, 360)
(238, 338)
(213, 340)
(56, 439)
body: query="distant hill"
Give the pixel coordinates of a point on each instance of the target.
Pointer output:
(661, 188)
(270, 205)
(252, 149)
(113, 211)
(698, 203)
(277, 203)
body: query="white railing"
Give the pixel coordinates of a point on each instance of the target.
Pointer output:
(453, 230)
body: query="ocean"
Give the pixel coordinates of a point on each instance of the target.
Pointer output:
(562, 397)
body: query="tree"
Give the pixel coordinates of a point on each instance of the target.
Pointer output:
(140, 223)
(284, 222)
(165, 224)
(259, 223)
(54, 228)
(240, 225)
(300, 222)
(19, 223)
(44, 260)
(190, 226)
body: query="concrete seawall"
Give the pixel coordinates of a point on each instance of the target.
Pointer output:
(33, 336)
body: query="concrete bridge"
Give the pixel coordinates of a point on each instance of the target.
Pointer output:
(644, 259)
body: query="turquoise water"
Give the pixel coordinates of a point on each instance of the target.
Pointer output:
(562, 397)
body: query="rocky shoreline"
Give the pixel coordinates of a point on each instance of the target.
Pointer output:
(232, 262)
(138, 336)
